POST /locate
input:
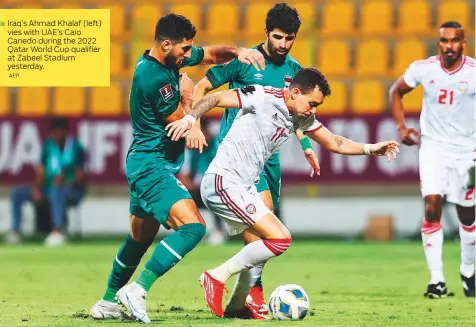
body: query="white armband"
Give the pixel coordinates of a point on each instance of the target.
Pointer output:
(367, 149)
(190, 118)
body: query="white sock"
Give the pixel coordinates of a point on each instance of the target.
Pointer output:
(432, 238)
(467, 235)
(244, 282)
(252, 254)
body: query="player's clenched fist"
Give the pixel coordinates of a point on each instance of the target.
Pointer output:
(180, 128)
(387, 148)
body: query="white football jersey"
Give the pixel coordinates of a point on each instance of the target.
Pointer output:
(261, 126)
(448, 108)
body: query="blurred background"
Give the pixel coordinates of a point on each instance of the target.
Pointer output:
(360, 45)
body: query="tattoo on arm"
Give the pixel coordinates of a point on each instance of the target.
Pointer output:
(340, 144)
(205, 104)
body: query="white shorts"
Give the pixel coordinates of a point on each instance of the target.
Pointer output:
(240, 206)
(447, 175)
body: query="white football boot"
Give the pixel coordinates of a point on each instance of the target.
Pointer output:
(132, 296)
(107, 310)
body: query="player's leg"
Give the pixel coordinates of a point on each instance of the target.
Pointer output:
(462, 194)
(170, 204)
(143, 229)
(269, 186)
(433, 177)
(467, 232)
(246, 207)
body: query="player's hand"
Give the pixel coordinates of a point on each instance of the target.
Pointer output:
(313, 162)
(252, 56)
(388, 148)
(196, 139)
(179, 128)
(409, 136)
(185, 85)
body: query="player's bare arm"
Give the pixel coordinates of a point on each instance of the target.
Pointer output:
(344, 146)
(399, 88)
(195, 138)
(223, 53)
(186, 99)
(223, 99)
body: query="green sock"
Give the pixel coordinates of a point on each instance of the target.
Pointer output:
(259, 282)
(124, 265)
(169, 252)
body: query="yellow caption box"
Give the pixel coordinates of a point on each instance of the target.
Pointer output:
(54, 47)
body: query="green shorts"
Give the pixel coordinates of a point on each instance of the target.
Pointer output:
(153, 193)
(270, 179)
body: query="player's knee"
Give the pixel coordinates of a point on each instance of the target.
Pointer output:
(278, 245)
(433, 207)
(194, 232)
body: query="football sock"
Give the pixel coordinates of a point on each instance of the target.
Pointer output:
(259, 281)
(251, 255)
(124, 265)
(245, 280)
(169, 252)
(432, 238)
(468, 237)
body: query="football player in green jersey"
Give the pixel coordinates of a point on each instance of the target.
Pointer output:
(282, 25)
(160, 95)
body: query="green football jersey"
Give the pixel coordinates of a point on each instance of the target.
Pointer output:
(239, 75)
(153, 97)
(64, 161)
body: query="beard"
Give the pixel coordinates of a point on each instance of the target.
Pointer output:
(452, 56)
(171, 61)
(275, 56)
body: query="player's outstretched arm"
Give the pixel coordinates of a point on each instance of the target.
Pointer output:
(342, 145)
(399, 88)
(223, 99)
(222, 53)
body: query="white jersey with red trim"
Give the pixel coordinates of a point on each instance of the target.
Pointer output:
(447, 118)
(261, 126)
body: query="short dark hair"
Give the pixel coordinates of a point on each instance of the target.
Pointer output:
(58, 123)
(307, 79)
(451, 24)
(284, 17)
(174, 27)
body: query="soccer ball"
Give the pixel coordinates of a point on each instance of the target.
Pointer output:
(289, 302)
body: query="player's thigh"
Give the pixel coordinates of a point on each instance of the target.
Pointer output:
(159, 192)
(239, 206)
(143, 228)
(183, 212)
(433, 172)
(269, 227)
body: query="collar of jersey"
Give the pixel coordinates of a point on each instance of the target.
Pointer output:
(266, 56)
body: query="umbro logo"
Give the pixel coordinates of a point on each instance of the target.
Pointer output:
(258, 76)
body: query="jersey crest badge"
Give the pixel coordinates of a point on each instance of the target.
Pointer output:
(166, 92)
(287, 80)
(463, 86)
(251, 209)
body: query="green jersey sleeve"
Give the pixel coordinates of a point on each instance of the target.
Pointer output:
(195, 58)
(229, 71)
(163, 93)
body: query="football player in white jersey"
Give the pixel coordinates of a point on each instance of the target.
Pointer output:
(447, 148)
(268, 116)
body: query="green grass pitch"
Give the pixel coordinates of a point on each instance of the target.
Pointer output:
(349, 284)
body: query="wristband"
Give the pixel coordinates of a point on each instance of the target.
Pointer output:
(190, 118)
(367, 149)
(305, 143)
